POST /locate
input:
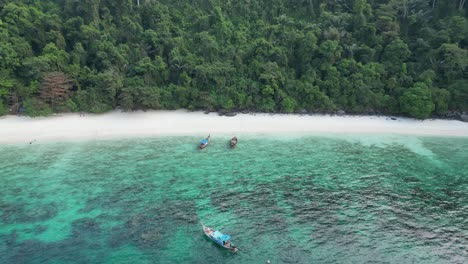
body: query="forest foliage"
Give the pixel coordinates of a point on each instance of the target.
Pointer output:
(362, 56)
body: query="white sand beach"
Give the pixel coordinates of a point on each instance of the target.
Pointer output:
(116, 124)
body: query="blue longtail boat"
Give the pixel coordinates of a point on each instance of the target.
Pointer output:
(219, 238)
(204, 143)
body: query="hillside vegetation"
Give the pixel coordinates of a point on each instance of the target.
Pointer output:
(363, 56)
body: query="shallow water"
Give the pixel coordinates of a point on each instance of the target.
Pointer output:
(290, 199)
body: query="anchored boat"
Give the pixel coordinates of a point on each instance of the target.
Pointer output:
(204, 143)
(233, 142)
(219, 238)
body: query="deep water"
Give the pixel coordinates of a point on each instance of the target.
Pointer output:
(289, 199)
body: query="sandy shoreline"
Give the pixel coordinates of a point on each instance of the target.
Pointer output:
(14, 129)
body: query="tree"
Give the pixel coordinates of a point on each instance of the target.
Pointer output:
(441, 98)
(458, 28)
(35, 107)
(459, 95)
(417, 101)
(6, 84)
(330, 51)
(360, 9)
(288, 105)
(395, 54)
(3, 109)
(55, 88)
(452, 61)
(386, 21)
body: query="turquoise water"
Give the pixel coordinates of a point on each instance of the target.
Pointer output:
(289, 199)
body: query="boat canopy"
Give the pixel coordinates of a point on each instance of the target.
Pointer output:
(220, 236)
(204, 141)
(225, 237)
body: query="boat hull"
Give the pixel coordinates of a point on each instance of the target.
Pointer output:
(233, 142)
(202, 146)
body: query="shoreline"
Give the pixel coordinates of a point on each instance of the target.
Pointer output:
(117, 124)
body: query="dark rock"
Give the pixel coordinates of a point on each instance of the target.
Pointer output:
(85, 226)
(29, 249)
(20, 213)
(118, 237)
(411, 179)
(206, 112)
(393, 118)
(341, 112)
(42, 213)
(303, 112)
(453, 115)
(464, 117)
(39, 229)
(150, 236)
(9, 239)
(224, 112)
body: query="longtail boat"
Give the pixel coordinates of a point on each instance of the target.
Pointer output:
(233, 142)
(219, 238)
(204, 143)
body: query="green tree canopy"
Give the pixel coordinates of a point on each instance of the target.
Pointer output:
(361, 56)
(417, 101)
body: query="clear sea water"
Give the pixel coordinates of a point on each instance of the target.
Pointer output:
(284, 198)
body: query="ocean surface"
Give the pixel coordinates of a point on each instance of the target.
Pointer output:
(284, 198)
